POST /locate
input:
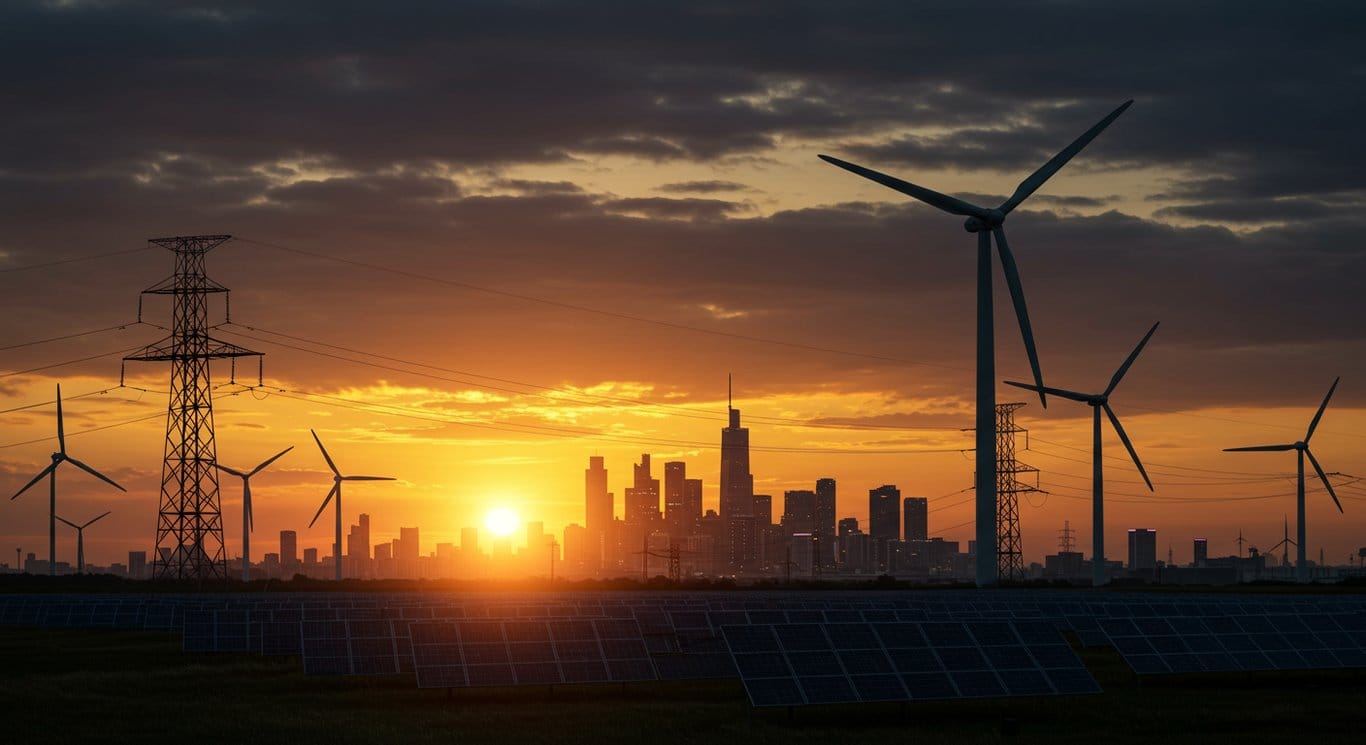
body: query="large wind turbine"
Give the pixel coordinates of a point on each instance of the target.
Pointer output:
(80, 540)
(1302, 449)
(337, 479)
(51, 473)
(986, 223)
(1097, 402)
(248, 522)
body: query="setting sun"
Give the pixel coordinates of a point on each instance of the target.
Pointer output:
(501, 521)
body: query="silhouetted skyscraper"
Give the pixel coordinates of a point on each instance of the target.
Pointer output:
(763, 510)
(1142, 550)
(675, 520)
(884, 521)
(847, 526)
(289, 551)
(598, 511)
(799, 511)
(642, 499)
(737, 490)
(917, 511)
(692, 503)
(825, 521)
(1201, 556)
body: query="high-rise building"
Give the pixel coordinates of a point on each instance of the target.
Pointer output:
(675, 520)
(917, 514)
(137, 565)
(847, 526)
(575, 562)
(289, 551)
(598, 512)
(358, 548)
(692, 503)
(824, 527)
(469, 542)
(737, 490)
(1201, 553)
(1142, 550)
(311, 557)
(763, 509)
(799, 511)
(884, 522)
(642, 498)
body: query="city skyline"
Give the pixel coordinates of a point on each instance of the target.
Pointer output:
(478, 292)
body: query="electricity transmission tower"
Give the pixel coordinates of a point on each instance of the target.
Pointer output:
(189, 535)
(1067, 541)
(1009, 471)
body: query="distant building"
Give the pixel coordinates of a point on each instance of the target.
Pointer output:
(692, 503)
(598, 512)
(763, 509)
(675, 476)
(642, 499)
(846, 526)
(916, 512)
(137, 565)
(737, 492)
(289, 553)
(884, 521)
(1142, 550)
(824, 525)
(1200, 553)
(799, 511)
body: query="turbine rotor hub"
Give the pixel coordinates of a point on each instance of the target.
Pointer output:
(992, 219)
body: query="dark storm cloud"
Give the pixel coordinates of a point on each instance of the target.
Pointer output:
(124, 120)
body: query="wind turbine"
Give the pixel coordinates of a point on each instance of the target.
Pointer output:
(337, 479)
(986, 223)
(51, 473)
(1285, 543)
(1097, 402)
(80, 540)
(1301, 449)
(248, 523)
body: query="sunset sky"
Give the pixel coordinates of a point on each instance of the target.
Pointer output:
(480, 242)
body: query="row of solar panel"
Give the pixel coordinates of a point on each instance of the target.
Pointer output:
(798, 664)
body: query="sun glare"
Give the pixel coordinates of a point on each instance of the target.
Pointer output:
(501, 521)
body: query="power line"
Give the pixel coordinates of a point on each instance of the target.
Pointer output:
(40, 368)
(597, 311)
(79, 396)
(76, 335)
(71, 260)
(101, 428)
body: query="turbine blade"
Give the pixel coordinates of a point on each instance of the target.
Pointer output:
(232, 471)
(931, 197)
(94, 473)
(1059, 392)
(326, 457)
(1119, 374)
(68, 522)
(1314, 424)
(272, 459)
(1260, 449)
(61, 428)
(1021, 312)
(1124, 438)
(368, 478)
(330, 494)
(1046, 171)
(96, 519)
(246, 505)
(36, 479)
(1324, 477)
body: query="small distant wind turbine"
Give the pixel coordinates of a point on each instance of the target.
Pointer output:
(1302, 449)
(1097, 402)
(1285, 543)
(248, 522)
(337, 479)
(80, 540)
(986, 223)
(51, 473)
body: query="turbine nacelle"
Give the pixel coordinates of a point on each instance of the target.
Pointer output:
(987, 220)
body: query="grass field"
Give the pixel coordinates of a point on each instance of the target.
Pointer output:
(105, 686)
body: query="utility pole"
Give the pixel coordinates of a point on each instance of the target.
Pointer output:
(189, 533)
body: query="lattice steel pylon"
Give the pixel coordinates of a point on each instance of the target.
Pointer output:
(1009, 470)
(189, 534)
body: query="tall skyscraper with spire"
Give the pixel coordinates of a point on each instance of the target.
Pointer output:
(737, 487)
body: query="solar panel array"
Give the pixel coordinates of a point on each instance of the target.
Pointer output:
(808, 647)
(792, 664)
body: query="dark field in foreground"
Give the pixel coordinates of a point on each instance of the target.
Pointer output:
(108, 686)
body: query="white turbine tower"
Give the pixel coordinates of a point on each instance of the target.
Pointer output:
(1097, 402)
(51, 473)
(248, 522)
(80, 540)
(1302, 449)
(986, 223)
(337, 479)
